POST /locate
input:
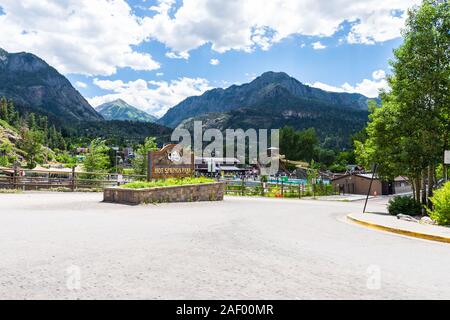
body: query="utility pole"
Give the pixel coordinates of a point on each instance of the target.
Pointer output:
(375, 167)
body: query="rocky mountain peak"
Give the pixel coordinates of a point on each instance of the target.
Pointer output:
(36, 86)
(274, 76)
(120, 110)
(270, 85)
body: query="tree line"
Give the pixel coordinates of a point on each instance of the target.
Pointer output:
(408, 134)
(39, 139)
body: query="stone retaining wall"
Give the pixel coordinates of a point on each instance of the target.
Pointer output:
(187, 193)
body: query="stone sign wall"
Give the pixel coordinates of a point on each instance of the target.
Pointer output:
(188, 193)
(170, 162)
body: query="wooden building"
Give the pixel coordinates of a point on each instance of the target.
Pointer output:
(359, 184)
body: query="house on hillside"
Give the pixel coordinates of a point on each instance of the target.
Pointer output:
(359, 184)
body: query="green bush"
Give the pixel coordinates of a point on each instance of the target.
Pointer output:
(404, 205)
(10, 191)
(4, 162)
(166, 183)
(441, 205)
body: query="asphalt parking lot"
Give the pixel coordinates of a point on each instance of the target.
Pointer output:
(73, 246)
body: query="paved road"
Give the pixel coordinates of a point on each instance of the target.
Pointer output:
(64, 245)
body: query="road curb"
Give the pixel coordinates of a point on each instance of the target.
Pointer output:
(404, 232)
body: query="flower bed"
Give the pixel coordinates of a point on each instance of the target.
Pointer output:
(177, 190)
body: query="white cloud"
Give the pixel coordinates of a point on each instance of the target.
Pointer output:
(81, 85)
(368, 87)
(155, 97)
(178, 55)
(327, 87)
(214, 62)
(93, 37)
(246, 25)
(96, 37)
(318, 46)
(379, 74)
(159, 74)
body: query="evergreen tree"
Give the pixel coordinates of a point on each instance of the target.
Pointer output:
(32, 146)
(31, 121)
(11, 111)
(3, 109)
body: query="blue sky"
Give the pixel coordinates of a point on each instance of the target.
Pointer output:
(153, 54)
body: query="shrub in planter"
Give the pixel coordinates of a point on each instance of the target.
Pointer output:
(441, 205)
(404, 205)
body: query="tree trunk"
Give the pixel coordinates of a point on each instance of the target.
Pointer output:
(431, 170)
(424, 189)
(417, 181)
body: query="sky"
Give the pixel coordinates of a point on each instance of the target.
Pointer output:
(155, 53)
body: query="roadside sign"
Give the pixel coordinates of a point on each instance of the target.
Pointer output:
(447, 157)
(285, 179)
(170, 162)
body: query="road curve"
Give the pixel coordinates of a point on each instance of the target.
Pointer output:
(73, 246)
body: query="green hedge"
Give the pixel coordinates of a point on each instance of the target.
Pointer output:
(166, 183)
(404, 205)
(441, 205)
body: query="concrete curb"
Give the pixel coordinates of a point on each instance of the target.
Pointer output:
(404, 232)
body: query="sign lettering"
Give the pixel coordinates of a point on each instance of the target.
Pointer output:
(170, 162)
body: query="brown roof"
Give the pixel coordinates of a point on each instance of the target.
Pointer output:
(361, 175)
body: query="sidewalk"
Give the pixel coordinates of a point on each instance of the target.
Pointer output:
(346, 197)
(386, 222)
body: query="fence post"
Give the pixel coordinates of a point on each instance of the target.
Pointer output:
(299, 190)
(14, 177)
(73, 179)
(243, 187)
(282, 188)
(262, 189)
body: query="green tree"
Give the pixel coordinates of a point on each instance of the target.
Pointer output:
(140, 161)
(32, 146)
(408, 134)
(299, 145)
(97, 159)
(5, 152)
(4, 109)
(11, 111)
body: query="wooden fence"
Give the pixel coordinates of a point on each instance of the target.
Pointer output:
(60, 180)
(25, 179)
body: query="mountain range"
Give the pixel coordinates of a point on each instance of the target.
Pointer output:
(120, 110)
(274, 100)
(36, 86)
(260, 93)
